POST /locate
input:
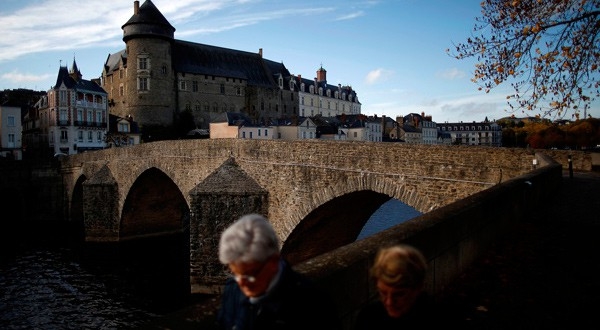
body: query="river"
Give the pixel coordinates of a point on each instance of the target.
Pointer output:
(56, 286)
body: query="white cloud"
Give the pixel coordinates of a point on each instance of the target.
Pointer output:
(19, 78)
(378, 75)
(452, 74)
(351, 16)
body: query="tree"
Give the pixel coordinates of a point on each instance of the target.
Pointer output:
(548, 49)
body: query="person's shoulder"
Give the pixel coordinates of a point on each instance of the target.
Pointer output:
(370, 316)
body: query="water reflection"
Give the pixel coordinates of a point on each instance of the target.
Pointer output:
(47, 289)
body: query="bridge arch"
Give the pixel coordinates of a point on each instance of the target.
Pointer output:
(154, 205)
(336, 223)
(392, 186)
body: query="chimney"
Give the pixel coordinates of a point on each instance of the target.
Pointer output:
(136, 7)
(260, 52)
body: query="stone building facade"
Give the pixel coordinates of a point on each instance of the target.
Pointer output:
(156, 78)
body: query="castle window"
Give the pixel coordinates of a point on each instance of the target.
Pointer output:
(121, 90)
(222, 87)
(164, 69)
(143, 84)
(80, 136)
(188, 107)
(182, 85)
(142, 63)
(194, 86)
(238, 90)
(120, 73)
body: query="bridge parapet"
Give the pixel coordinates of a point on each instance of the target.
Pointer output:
(451, 237)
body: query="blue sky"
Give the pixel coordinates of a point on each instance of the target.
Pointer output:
(393, 53)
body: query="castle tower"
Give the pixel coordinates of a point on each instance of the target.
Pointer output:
(149, 91)
(322, 75)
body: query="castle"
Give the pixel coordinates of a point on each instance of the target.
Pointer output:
(156, 78)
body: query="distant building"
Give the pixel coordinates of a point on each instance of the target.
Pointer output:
(122, 132)
(74, 114)
(227, 125)
(476, 133)
(317, 97)
(420, 129)
(157, 77)
(10, 133)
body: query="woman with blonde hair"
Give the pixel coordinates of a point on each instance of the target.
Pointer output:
(399, 272)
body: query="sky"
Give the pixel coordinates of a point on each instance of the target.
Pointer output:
(392, 53)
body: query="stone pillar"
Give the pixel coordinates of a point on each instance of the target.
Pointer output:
(101, 207)
(223, 197)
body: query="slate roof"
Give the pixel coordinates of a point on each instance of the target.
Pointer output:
(333, 88)
(148, 21)
(198, 58)
(233, 119)
(113, 61)
(80, 85)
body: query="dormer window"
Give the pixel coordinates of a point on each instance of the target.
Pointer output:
(123, 126)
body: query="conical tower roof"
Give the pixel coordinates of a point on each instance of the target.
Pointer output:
(147, 21)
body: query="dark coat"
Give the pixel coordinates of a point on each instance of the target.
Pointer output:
(422, 315)
(294, 303)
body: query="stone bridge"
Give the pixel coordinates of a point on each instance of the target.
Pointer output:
(318, 194)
